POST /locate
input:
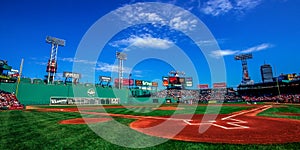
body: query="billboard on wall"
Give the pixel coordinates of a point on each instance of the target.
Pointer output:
(144, 83)
(203, 86)
(147, 83)
(189, 81)
(126, 82)
(105, 78)
(138, 82)
(154, 84)
(72, 75)
(219, 85)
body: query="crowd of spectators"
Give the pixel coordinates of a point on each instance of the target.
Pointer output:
(176, 93)
(283, 98)
(9, 101)
(197, 96)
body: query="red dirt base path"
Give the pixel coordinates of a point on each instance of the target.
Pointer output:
(168, 108)
(238, 128)
(84, 120)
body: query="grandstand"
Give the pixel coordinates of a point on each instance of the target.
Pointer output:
(9, 101)
(6, 73)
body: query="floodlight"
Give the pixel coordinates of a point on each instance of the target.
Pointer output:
(121, 56)
(56, 41)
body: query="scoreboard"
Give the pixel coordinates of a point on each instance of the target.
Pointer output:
(177, 81)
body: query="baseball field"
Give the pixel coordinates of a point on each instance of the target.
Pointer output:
(214, 126)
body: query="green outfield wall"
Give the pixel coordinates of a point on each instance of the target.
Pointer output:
(40, 94)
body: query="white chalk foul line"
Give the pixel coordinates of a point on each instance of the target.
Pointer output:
(189, 122)
(244, 112)
(233, 122)
(236, 124)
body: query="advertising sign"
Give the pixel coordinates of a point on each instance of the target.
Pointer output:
(126, 82)
(72, 75)
(155, 84)
(189, 81)
(203, 86)
(147, 83)
(105, 78)
(219, 85)
(138, 82)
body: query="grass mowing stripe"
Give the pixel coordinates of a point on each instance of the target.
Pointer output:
(276, 112)
(13, 137)
(199, 110)
(140, 110)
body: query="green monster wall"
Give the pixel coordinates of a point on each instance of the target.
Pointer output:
(39, 94)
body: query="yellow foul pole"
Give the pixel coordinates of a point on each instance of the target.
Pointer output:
(18, 82)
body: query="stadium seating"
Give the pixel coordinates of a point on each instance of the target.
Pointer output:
(8, 101)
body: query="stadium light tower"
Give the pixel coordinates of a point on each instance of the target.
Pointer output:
(176, 73)
(243, 58)
(52, 63)
(121, 57)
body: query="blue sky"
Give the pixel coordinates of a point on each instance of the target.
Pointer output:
(267, 28)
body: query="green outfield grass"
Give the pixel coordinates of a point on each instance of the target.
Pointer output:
(40, 130)
(148, 111)
(276, 111)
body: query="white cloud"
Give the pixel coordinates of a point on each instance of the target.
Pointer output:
(41, 63)
(217, 7)
(101, 66)
(211, 42)
(145, 13)
(221, 7)
(105, 67)
(246, 4)
(72, 60)
(257, 48)
(221, 53)
(152, 17)
(178, 23)
(138, 76)
(144, 41)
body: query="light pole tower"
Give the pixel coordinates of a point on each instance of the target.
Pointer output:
(121, 57)
(52, 63)
(176, 73)
(243, 58)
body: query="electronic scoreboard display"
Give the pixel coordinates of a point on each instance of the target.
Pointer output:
(165, 81)
(177, 82)
(174, 80)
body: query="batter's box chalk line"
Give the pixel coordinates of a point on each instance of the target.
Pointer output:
(234, 123)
